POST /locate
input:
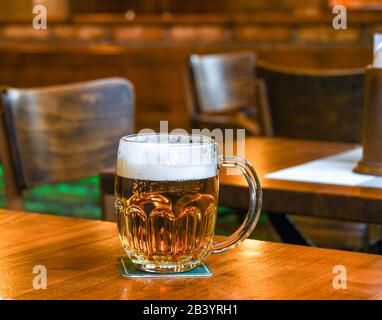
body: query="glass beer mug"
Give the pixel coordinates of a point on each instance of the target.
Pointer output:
(166, 191)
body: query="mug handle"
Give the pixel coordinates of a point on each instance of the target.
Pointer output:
(254, 209)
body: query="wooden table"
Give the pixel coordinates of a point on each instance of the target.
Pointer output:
(80, 258)
(359, 204)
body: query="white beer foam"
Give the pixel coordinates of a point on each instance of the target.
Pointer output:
(166, 162)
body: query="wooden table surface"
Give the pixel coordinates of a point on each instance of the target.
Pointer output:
(360, 204)
(80, 258)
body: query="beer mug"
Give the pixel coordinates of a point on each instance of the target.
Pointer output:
(167, 189)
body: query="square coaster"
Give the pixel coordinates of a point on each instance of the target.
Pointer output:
(128, 270)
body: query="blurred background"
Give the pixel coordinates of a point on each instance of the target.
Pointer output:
(149, 42)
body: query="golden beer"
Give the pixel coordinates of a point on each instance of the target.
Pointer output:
(166, 223)
(166, 190)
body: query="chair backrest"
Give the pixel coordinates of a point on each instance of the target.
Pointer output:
(314, 104)
(62, 133)
(223, 82)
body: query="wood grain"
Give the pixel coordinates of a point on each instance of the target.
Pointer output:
(371, 162)
(315, 104)
(359, 204)
(80, 257)
(223, 82)
(74, 128)
(224, 93)
(150, 66)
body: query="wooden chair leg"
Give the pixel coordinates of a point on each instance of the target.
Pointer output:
(264, 108)
(107, 206)
(12, 190)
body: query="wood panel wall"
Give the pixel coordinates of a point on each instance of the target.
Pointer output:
(158, 73)
(152, 51)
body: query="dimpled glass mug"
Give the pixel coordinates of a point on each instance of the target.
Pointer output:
(166, 200)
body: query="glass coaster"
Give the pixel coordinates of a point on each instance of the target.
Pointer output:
(128, 270)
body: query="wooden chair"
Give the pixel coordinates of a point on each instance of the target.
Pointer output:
(224, 93)
(314, 104)
(61, 133)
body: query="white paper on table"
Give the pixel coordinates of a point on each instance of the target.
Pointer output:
(377, 42)
(337, 169)
(377, 50)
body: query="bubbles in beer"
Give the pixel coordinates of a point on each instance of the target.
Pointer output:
(169, 222)
(166, 199)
